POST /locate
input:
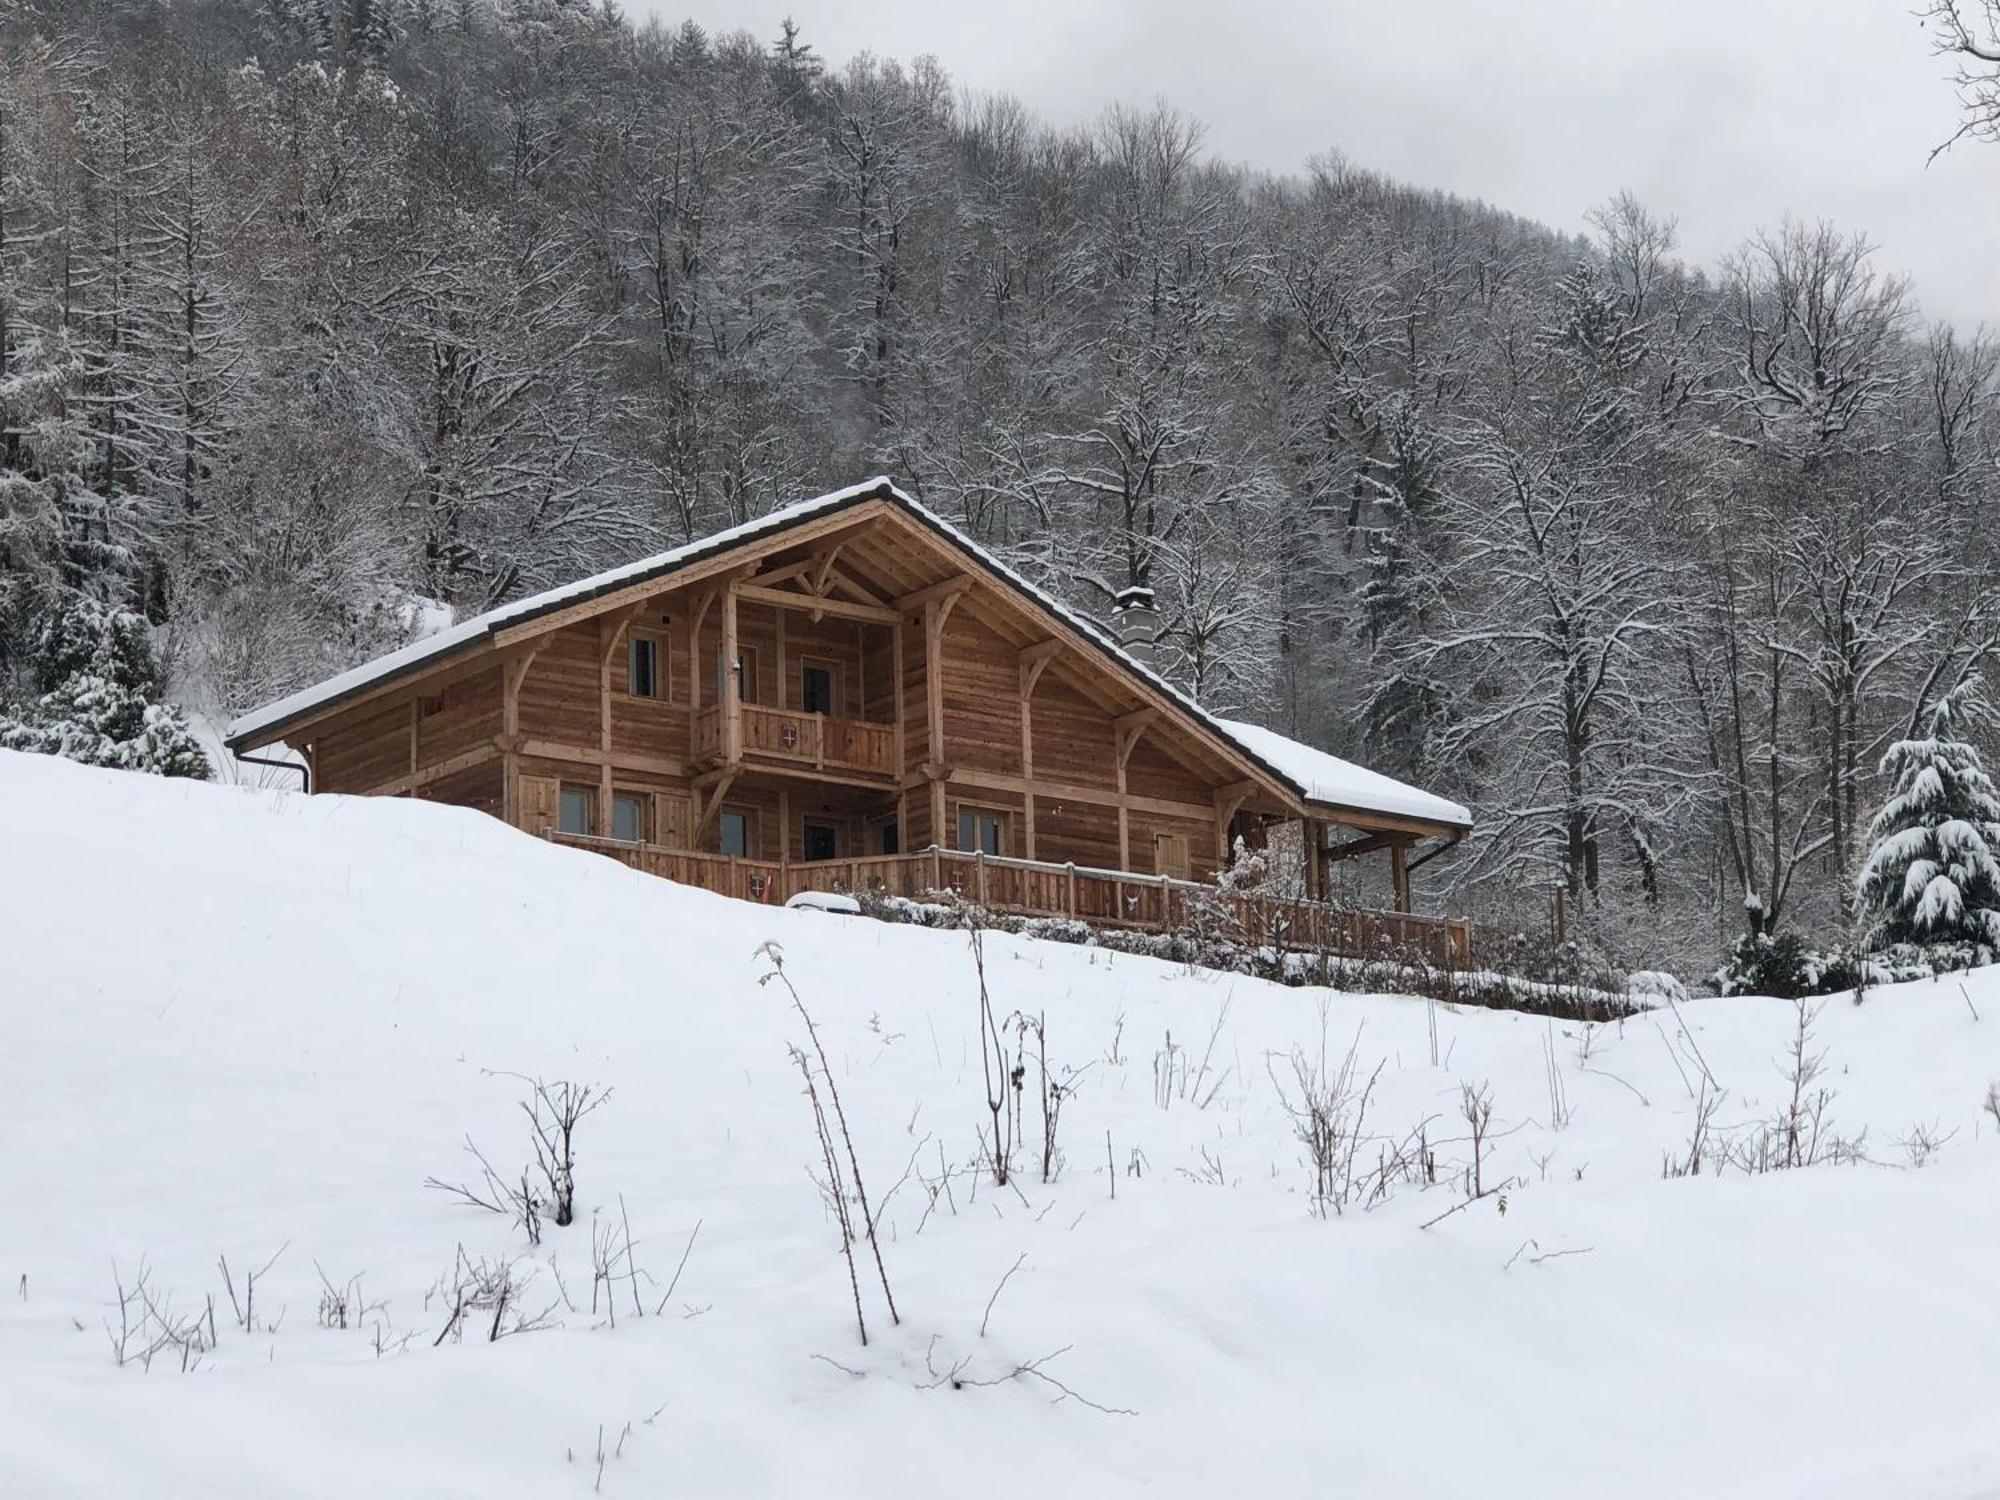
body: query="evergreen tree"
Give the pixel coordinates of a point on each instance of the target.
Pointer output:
(1932, 878)
(100, 683)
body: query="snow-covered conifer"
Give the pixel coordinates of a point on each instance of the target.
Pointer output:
(1932, 878)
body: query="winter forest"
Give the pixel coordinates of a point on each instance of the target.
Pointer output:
(316, 315)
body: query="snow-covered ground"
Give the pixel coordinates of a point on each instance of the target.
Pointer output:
(244, 1024)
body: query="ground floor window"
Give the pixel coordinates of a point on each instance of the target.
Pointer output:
(822, 841)
(578, 811)
(629, 816)
(891, 839)
(980, 830)
(734, 827)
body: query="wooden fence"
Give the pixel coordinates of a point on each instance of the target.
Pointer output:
(1031, 888)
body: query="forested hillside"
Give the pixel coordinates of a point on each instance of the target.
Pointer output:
(311, 310)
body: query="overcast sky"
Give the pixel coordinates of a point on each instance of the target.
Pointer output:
(1725, 114)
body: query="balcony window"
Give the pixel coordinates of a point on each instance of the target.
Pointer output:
(816, 689)
(628, 816)
(734, 830)
(980, 831)
(577, 812)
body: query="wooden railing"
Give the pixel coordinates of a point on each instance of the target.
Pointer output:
(817, 740)
(1023, 887)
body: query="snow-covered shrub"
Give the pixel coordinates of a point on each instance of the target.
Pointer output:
(1655, 987)
(98, 684)
(1932, 878)
(1784, 965)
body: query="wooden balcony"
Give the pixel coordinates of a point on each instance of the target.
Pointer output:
(784, 736)
(1030, 888)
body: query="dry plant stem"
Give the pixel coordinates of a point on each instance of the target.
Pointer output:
(834, 1192)
(840, 1115)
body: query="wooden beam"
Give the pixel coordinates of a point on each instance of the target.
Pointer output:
(592, 755)
(902, 752)
(1399, 872)
(730, 561)
(732, 688)
(708, 800)
(840, 579)
(1029, 673)
(1035, 661)
(609, 627)
(1366, 845)
(479, 755)
(1229, 801)
(934, 679)
(823, 566)
(951, 588)
(1130, 727)
(808, 604)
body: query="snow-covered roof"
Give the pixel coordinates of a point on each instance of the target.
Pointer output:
(1329, 780)
(479, 627)
(1313, 774)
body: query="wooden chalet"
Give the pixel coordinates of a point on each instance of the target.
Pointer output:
(849, 694)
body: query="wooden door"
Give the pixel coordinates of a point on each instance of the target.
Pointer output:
(541, 798)
(1170, 855)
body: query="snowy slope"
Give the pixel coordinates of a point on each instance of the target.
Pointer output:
(242, 1022)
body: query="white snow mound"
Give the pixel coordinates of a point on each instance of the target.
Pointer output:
(250, 1025)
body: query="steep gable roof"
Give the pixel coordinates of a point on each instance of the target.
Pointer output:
(1319, 781)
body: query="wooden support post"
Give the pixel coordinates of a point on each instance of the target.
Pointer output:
(1399, 872)
(784, 685)
(784, 827)
(513, 672)
(1034, 661)
(416, 700)
(1311, 837)
(1129, 728)
(732, 687)
(1229, 801)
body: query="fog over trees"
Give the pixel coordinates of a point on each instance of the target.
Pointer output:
(311, 309)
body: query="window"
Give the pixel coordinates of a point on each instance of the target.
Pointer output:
(892, 841)
(980, 831)
(816, 688)
(578, 811)
(822, 842)
(734, 830)
(746, 674)
(643, 678)
(628, 816)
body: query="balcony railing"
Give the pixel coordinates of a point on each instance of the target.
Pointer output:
(823, 741)
(1022, 887)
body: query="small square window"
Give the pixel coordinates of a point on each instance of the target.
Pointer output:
(628, 816)
(821, 841)
(579, 810)
(642, 676)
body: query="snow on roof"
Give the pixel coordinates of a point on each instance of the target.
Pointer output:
(1315, 775)
(466, 632)
(1341, 783)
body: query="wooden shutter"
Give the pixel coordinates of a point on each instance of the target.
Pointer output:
(671, 819)
(1170, 855)
(541, 803)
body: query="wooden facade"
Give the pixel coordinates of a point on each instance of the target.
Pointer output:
(852, 682)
